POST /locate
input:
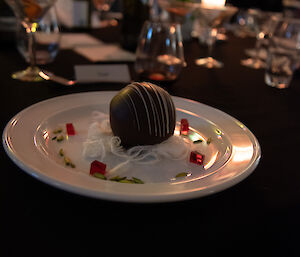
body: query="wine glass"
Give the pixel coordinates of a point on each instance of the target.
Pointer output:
(47, 39)
(211, 18)
(102, 7)
(177, 10)
(159, 55)
(29, 12)
(283, 53)
(264, 24)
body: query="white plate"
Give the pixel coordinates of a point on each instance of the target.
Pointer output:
(232, 155)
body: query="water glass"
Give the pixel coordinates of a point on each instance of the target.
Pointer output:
(283, 53)
(159, 54)
(264, 25)
(46, 36)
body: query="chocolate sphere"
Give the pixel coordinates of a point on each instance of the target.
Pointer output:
(142, 114)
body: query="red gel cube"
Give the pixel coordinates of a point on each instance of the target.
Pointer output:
(70, 129)
(184, 127)
(97, 167)
(196, 158)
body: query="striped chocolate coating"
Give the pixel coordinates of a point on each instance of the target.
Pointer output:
(142, 114)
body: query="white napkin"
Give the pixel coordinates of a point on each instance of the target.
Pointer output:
(105, 52)
(94, 49)
(72, 40)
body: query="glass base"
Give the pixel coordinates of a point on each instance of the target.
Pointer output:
(277, 81)
(254, 63)
(209, 62)
(30, 74)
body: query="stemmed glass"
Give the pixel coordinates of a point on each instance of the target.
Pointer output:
(103, 6)
(159, 55)
(47, 39)
(211, 18)
(283, 53)
(264, 23)
(177, 10)
(29, 12)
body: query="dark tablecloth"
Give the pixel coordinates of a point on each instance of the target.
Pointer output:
(258, 217)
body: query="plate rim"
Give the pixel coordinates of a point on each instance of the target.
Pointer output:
(142, 198)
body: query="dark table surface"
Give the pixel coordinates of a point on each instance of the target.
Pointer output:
(259, 216)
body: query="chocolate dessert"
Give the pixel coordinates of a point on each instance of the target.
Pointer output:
(142, 114)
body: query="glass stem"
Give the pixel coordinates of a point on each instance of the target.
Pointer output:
(211, 41)
(210, 49)
(257, 47)
(31, 49)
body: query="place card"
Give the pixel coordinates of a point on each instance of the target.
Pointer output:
(102, 73)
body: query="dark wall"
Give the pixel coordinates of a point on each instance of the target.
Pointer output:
(270, 5)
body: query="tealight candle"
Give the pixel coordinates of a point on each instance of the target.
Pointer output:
(213, 3)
